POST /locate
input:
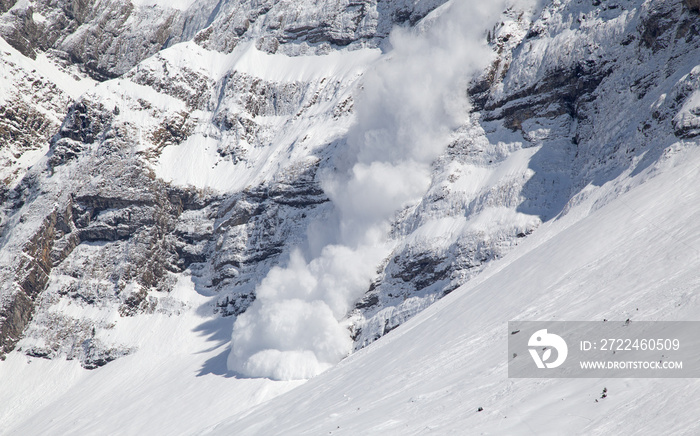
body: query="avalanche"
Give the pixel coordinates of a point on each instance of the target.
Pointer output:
(287, 218)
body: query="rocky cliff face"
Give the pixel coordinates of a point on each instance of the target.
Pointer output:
(204, 151)
(106, 38)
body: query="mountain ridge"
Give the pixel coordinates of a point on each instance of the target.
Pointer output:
(203, 158)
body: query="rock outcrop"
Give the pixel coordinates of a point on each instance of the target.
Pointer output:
(188, 159)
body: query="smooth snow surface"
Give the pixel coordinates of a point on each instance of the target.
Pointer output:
(636, 257)
(172, 385)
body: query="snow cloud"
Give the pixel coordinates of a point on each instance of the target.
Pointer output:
(410, 103)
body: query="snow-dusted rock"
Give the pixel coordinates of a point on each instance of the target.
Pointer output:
(204, 156)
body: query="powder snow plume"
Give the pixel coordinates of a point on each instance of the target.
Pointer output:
(411, 101)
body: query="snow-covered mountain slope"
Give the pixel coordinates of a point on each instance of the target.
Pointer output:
(219, 147)
(252, 139)
(106, 38)
(635, 257)
(174, 385)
